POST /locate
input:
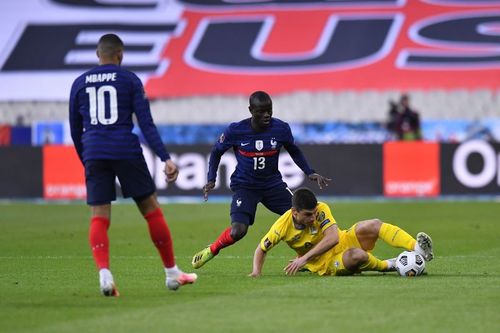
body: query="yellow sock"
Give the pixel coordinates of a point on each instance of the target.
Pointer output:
(396, 237)
(374, 264)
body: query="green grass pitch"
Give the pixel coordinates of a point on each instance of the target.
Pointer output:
(48, 282)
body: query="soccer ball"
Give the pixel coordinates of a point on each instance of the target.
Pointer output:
(410, 263)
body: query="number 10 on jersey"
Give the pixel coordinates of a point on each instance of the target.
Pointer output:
(97, 105)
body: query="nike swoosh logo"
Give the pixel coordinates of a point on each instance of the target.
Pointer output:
(243, 144)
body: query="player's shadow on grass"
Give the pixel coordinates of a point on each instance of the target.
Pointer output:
(428, 275)
(468, 274)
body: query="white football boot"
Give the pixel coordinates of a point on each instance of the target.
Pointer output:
(424, 246)
(175, 281)
(107, 283)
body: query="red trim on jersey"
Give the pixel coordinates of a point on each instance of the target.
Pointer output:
(257, 153)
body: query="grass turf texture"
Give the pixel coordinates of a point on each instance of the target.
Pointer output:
(48, 282)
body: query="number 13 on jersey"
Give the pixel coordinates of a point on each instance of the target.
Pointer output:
(259, 163)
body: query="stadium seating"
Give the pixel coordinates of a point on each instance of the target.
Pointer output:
(298, 107)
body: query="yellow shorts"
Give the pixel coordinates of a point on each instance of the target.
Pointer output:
(347, 240)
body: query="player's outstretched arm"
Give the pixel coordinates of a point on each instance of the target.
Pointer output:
(171, 171)
(207, 188)
(330, 239)
(295, 265)
(258, 261)
(319, 179)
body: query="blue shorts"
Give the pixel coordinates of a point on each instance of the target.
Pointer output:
(135, 180)
(244, 204)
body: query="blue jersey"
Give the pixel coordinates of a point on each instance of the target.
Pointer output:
(257, 154)
(101, 105)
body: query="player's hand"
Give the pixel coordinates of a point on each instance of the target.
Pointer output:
(295, 265)
(171, 171)
(208, 187)
(322, 181)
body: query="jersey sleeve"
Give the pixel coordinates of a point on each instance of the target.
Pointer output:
(146, 123)
(224, 142)
(273, 237)
(325, 217)
(75, 121)
(295, 153)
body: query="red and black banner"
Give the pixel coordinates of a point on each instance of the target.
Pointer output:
(205, 47)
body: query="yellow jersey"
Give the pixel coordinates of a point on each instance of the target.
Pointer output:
(302, 240)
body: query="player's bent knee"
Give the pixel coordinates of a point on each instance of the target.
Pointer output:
(369, 227)
(238, 231)
(375, 225)
(147, 204)
(354, 258)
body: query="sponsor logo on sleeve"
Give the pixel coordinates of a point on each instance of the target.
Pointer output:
(267, 244)
(325, 222)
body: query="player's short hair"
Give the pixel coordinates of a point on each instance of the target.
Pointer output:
(109, 45)
(260, 99)
(304, 198)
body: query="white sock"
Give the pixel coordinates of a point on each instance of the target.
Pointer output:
(172, 272)
(418, 249)
(105, 276)
(390, 264)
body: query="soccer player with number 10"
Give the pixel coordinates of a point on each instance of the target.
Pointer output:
(101, 106)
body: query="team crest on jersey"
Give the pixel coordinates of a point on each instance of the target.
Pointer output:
(274, 143)
(259, 145)
(321, 216)
(308, 245)
(221, 138)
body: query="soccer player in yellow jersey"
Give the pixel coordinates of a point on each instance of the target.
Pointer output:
(323, 248)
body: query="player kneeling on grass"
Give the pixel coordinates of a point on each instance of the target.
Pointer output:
(102, 104)
(323, 248)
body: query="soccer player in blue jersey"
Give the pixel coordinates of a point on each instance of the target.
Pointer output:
(256, 142)
(102, 103)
